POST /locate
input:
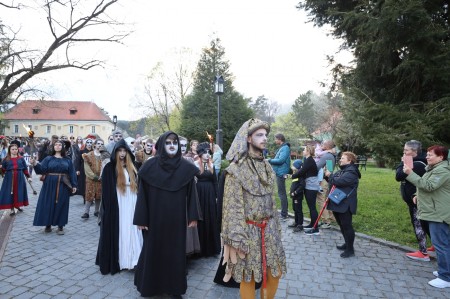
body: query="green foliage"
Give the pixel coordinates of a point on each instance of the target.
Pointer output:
(199, 110)
(399, 85)
(290, 128)
(264, 109)
(304, 112)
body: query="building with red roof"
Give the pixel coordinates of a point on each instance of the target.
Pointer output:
(47, 118)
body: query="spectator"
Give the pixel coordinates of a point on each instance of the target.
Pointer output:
(328, 148)
(120, 241)
(13, 193)
(217, 159)
(347, 180)
(433, 194)
(249, 212)
(281, 164)
(413, 148)
(309, 173)
(60, 181)
(297, 189)
(167, 203)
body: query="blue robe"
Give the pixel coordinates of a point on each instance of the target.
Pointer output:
(52, 209)
(14, 196)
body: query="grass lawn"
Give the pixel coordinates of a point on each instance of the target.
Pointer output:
(381, 211)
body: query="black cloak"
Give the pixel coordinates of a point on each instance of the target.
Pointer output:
(108, 244)
(167, 201)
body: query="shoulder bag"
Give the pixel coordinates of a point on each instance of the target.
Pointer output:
(337, 195)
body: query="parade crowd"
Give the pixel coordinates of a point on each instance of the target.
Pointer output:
(160, 203)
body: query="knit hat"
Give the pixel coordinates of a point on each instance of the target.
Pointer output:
(297, 164)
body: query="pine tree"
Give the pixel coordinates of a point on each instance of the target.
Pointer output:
(199, 111)
(399, 86)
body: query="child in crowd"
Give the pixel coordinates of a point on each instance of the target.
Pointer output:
(296, 192)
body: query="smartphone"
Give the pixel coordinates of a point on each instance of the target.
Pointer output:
(408, 161)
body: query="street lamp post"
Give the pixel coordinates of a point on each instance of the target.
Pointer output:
(114, 122)
(218, 90)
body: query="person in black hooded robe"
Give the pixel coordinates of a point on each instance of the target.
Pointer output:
(167, 203)
(120, 242)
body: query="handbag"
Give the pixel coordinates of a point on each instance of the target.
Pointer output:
(337, 195)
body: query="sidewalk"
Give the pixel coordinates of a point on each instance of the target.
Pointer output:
(39, 265)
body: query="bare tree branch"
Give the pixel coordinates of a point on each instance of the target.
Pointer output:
(24, 64)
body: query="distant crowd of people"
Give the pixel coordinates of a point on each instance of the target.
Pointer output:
(161, 202)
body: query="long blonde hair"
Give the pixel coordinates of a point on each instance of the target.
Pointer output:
(132, 172)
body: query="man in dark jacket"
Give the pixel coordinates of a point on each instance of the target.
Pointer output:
(413, 148)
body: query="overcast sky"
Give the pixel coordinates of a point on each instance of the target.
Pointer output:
(271, 49)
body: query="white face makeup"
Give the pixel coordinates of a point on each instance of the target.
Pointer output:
(171, 147)
(183, 145)
(98, 145)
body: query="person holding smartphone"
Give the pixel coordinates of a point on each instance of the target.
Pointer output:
(412, 151)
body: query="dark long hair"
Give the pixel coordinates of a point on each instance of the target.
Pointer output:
(8, 155)
(63, 148)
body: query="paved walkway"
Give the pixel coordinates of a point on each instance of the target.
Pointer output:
(39, 265)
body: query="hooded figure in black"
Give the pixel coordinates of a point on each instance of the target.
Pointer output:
(108, 246)
(167, 203)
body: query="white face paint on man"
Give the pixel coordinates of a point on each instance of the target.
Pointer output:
(171, 147)
(183, 145)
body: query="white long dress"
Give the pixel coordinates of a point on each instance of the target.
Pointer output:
(130, 237)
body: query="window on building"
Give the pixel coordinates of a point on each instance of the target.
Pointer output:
(49, 129)
(93, 129)
(70, 129)
(16, 129)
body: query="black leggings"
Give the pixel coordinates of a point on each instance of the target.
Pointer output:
(345, 223)
(310, 196)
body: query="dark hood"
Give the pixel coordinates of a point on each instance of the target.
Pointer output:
(165, 172)
(121, 144)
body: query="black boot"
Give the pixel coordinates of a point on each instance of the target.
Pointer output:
(348, 253)
(341, 247)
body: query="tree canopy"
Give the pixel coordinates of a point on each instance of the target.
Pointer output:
(199, 110)
(399, 86)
